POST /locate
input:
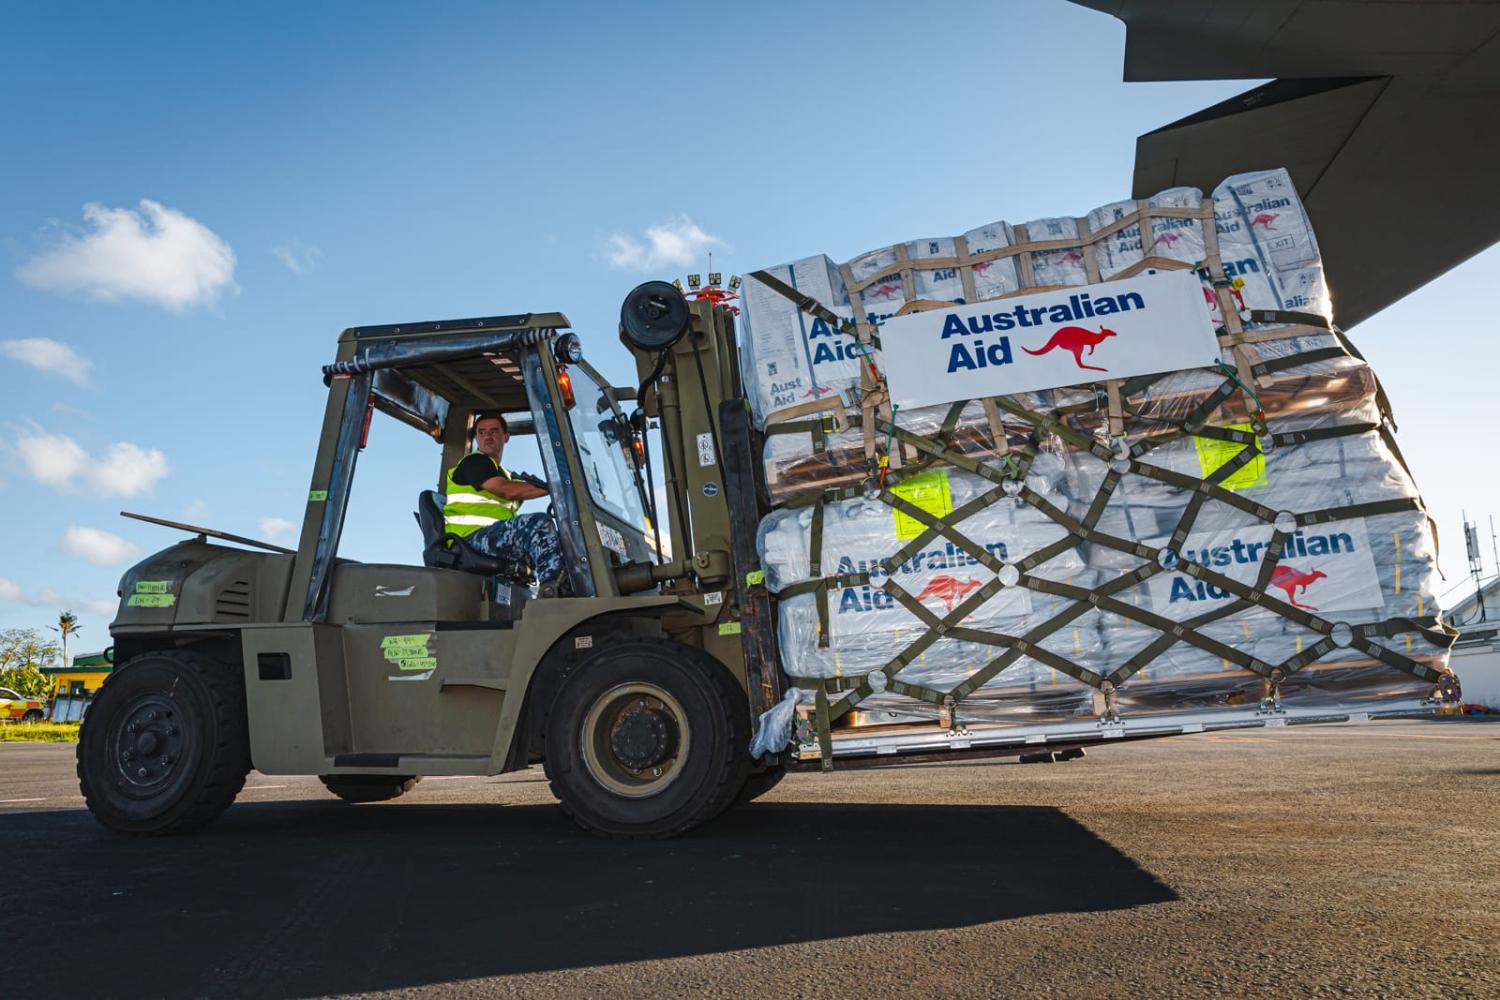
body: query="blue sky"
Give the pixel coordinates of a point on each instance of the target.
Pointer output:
(329, 165)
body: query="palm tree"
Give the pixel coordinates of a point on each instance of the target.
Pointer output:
(67, 624)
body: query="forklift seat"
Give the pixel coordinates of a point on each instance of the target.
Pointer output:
(445, 550)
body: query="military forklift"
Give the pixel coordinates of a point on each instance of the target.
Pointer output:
(635, 684)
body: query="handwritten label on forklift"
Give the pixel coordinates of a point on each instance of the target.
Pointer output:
(705, 449)
(1214, 453)
(928, 492)
(411, 655)
(152, 594)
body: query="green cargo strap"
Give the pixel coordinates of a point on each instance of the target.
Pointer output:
(1392, 658)
(1101, 499)
(1210, 403)
(819, 428)
(1223, 434)
(1324, 433)
(1270, 558)
(1287, 317)
(837, 581)
(1374, 508)
(1298, 360)
(1309, 654)
(815, 542)
(825, 729)
(979, 552)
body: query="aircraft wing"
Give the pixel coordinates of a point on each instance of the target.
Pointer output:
(1385, 112)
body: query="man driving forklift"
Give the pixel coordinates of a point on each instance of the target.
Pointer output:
(483, 498)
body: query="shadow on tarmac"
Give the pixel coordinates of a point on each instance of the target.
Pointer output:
(297, 898)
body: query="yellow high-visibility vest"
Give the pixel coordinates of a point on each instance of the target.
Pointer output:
(470, 508)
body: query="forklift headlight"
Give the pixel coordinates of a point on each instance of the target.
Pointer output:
(568, 350)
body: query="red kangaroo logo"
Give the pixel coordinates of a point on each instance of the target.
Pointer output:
(983, 266)
(1074, 339)
(1265, 219)
(886, 291)
(1071, 257)
(1168, 238)
(816, 392)
(1292, 580)
(948, 589)
(1213, 300)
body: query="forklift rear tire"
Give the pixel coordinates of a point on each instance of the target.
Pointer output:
(647, 739)
(356, 788)
(164, 747)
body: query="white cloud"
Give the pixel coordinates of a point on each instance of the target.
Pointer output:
(275, 528)
(99, 547)
(128, 469)
(53, 459)
(51, 356)
(679, 243)
(13, 593)
(196, 508)
(124, 470)
(299, 257)
(156, 254)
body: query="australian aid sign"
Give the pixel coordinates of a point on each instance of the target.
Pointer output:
(1136, 326)
(1323, 568)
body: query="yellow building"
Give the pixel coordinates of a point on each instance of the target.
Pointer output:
(74, 685)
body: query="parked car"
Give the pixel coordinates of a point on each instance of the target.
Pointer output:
(16, 708)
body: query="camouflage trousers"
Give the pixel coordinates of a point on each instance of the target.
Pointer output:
(530, 535)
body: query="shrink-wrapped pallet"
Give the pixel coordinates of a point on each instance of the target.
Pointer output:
(1198, 540)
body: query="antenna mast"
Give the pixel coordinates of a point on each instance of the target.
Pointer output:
(1476, 562)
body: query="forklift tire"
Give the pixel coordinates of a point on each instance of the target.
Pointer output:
(164, 747)
(647, 739)
(356, 788)
(759, 783)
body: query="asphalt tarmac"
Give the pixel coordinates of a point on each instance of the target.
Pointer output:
(1333, 861)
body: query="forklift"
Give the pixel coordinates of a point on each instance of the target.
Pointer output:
(634, 684)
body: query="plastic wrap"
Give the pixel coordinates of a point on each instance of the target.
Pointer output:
(1152, 596)
(791, 360)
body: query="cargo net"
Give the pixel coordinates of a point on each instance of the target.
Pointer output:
(1196, 540)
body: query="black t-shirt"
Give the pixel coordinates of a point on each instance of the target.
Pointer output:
(475, 470)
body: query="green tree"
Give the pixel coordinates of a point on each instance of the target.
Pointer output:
(27, 681)
(23, 652)
(67, 624)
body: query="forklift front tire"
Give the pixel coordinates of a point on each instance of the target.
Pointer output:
(647, 739)
(164, 747)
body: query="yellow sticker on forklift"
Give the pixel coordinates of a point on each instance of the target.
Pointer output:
(404, 645)
(153, 586)
(927, 492)
(151, 600)
(729, 628)
(1214, 453)
(315, 495)
(417, 663)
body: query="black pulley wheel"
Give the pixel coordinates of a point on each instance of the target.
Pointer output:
(654, 316)
(647, 738)
(356, 788)
(164, 747)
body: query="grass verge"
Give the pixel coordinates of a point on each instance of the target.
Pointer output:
(39, 732)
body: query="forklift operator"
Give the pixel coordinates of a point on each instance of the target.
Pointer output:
(482, 500)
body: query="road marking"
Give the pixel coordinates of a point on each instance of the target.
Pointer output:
(11, 802)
